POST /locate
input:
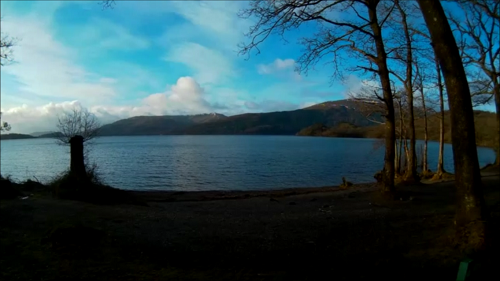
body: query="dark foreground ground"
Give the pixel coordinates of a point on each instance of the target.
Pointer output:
(327, 235)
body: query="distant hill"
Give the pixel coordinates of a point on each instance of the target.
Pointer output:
(15, 136)
(272, 123)
(37, 134)
(486, 133)
(157, 125)
(52, 135)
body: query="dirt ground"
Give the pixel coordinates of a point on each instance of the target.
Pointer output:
(300, 234)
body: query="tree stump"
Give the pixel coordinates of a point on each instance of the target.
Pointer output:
(77, 165)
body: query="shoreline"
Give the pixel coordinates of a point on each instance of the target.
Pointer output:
(273, 194)
(209, 195)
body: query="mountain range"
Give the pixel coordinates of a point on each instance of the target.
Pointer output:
(344, 118)
(272, 123)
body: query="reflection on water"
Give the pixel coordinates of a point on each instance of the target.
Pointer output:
(213, 162)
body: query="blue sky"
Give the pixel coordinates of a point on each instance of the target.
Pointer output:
(145, 58)
(148, 58)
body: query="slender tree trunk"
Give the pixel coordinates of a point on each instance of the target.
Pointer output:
(440, 166)
(383, 71)
(396, 160)
(411, 172)
(496, 90)
(471, 213)
(400, 146)
(407, 152)
(405, 142)
(425, 168)
(400, 152)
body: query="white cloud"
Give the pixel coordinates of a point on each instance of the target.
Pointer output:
(353, 85)
(29, 119)
(276, 66)
(219, 17)
(45, 68)
(216, 23)
(207, 40)
(281, 68)
(210, 66)
(183, 98)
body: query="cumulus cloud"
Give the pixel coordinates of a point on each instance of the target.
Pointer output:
(29, 119)
(184, 98)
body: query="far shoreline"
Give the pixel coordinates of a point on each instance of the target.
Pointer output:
(227, 135)
(489, 170)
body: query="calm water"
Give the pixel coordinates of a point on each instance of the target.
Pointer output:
(192, 163)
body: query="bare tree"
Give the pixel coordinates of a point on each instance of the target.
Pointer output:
(440, 165)
(420, 86)
(478, 35)
(470, 214)
(77, 122)
(4, 126)
(402, 18)
(357, 35)
(398, 98)
(77, 127)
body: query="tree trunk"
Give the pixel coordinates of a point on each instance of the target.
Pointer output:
(425, 168)
(396, 160)
(496, 90)
(400, 151)
(411, 172)
(405, 140)
(440, 166)
(77, 165)
(407, 152)
(470, 214)
(383, 71)
(400, 146)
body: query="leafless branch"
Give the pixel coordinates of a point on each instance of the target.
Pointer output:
(6, 45)
(77, 122)
(107, 4)
(478, 34)
(336, 36)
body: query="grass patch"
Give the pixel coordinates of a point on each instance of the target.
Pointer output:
(90, 189)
